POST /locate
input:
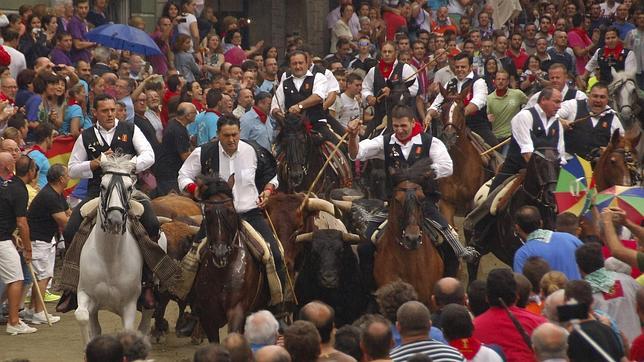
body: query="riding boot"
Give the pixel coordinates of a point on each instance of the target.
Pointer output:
(146, 299)
(68, 302)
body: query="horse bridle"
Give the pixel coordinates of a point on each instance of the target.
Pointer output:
(219, 245)
(620, 107)
(410, 195)
(115, 182)
(631, 164)
(543, 187)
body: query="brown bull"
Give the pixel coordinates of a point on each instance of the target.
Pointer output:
(177, 207)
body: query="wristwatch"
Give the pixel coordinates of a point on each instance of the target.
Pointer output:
(300, 106)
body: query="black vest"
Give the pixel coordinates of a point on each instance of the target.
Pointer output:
(379, 82)
(292, 96)
(570, 94)
(540, 138)
(121, 143)
(478, 119)
(583, 137)
(606, 62)
(266, 163)
(395, 159)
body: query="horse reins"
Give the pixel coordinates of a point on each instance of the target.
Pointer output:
(115, 182)
(217, 208)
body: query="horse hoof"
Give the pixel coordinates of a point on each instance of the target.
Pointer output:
(158, 338)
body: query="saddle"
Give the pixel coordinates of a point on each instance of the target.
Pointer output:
(491, 203)
(491, 160)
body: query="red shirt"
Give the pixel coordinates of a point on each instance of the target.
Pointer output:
(5, 58)
(495, 327)
(631, 244)
(637, 349)
(164, 107)
(519, 60)
(393, 22)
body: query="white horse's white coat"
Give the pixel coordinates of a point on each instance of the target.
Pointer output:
(110, 263)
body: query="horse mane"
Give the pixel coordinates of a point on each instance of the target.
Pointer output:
(117, 162)
(417, 173)
(213, 185)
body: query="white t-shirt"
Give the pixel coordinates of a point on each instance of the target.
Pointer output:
(455, 7)
(348, 109)
(184, 28)
(608, 11)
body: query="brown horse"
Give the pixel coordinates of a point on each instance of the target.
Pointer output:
(230, 283)
(617, 164)
(405, 251)
(537, 189)
(459, 189)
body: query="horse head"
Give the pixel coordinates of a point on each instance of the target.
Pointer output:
(452, 116)
(616, 165)
(406, 206)
(541, 180)
(294, 140)
(623, 94)
(117, 184)
(221, 219)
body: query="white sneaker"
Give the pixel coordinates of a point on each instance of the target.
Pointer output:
(26, 315)
(20, 328)
(40, 318)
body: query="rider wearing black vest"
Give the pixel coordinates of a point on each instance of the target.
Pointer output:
(611, 55)
(408, 145)
(589, 133)
(387, 78)
(475, 99)
(558, 77)
(532, 128)
(108, 135)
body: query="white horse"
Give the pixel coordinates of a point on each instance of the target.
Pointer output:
(111, 262)
(625, 101)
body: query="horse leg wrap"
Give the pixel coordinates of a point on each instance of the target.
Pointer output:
(466, 252)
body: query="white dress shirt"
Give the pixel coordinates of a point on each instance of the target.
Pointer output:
(79, 164)
(407, 71)
(332, 84)
(242, 164)
(568, 111)
(479, 95)
(375, 148)
(629, 63)
(522, 126)
(319, 88)
(580, 96)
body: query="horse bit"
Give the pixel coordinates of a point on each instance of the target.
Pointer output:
(115, 182)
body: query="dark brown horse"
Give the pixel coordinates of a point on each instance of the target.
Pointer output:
(459, 189)
(230, 283)
(537, 189)
(617, 164)
(405, 251)
(301, 156)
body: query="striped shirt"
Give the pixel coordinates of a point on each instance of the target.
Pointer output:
(437, 351)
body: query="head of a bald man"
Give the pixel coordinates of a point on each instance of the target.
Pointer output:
(413, 319)
(9, 145)
(7, 165)
(448, 290)
(550, 342)
(272, 354)
(186, 113)
(322, 316)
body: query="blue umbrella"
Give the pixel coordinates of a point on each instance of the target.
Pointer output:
(125, 37)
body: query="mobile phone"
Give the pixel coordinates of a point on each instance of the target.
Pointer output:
(181, 20)
(569, 312)
(57, 68)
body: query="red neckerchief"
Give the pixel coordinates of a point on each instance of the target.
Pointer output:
(613, 52)
(501, 93)
(37, 148)
(198, 105)
(469, 347)
(219, 114)
(385, 68)
(72, 102)
(417, 129)
(262, 115)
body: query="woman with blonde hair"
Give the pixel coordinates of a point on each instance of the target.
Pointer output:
(551, 282)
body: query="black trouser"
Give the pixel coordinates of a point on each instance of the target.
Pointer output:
(485, 132)
(165, 186)
(148, 220)
(510, 167)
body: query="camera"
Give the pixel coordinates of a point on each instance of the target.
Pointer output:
(57, 68)
(569, 312)
(181, 20)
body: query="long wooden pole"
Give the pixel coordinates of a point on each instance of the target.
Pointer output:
(496, 147)
(39, 293)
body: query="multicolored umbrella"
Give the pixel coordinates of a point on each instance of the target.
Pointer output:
(574, 184)
(628, 198)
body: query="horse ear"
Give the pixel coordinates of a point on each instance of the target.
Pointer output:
(103, 158)
(231, 180)
(133, 162)
(615, 138)
(613, 72)
(442, 90)
(464, 92)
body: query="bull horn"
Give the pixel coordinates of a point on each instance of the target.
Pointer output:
(351, 198)
(351, 238)
(196, 218)
(193, 229)
(345, 206)
(163, 220)
(304, 237)
(320, 205)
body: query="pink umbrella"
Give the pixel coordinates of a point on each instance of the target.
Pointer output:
(235, 56)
